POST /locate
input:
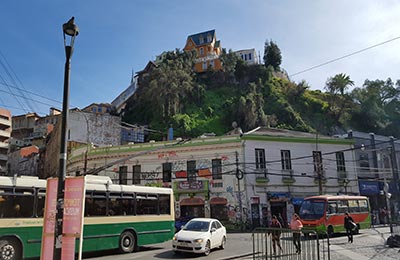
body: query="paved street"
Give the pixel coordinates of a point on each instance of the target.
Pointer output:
(367, 245)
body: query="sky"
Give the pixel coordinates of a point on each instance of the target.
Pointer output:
(119, 37)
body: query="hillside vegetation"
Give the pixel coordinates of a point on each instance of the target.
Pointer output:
(258, 95)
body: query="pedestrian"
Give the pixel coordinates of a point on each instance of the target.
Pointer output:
(280, 219)
(349, 225)
(296, 226)
(276, 234)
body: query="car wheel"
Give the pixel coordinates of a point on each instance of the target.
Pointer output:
(207, 249)
(10, 249)
(223, 243)
(127, 242)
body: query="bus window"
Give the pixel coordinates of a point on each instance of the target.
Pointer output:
(312, 209)
(95, 204)
(121, 206)
(353, 206)
(342, 206)
(16, 206)
(332, 207)
(363, 205)
(146, 204)
(164, 204)
(41, 197)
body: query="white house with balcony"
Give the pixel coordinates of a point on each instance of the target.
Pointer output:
(282, 167)
(249, 56)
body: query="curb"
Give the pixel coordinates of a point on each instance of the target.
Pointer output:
(236, 256)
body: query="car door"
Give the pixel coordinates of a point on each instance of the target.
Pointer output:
(216, 236)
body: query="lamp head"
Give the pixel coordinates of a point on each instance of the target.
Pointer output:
(70, 28)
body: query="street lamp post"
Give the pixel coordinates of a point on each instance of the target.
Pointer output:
(71, 30)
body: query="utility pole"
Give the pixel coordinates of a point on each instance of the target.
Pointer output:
(239, 176)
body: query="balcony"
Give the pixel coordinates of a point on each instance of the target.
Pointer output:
(3, 145)
(287, 177)
(5, 122)
(261, 181)
(5, 133)
(3, 157)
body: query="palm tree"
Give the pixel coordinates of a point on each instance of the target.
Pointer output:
(338, 84)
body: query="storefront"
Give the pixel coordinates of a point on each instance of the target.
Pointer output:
(192, 207)
(219, 208)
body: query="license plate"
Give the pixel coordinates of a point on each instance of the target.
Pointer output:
(182, 244)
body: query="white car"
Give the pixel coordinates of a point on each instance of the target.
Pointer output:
(200, 235)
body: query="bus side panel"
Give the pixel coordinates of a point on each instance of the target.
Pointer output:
(106, 236)
(155, 232)
(31, 239)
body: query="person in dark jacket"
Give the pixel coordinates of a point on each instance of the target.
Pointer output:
(349, 226)
(276, 233)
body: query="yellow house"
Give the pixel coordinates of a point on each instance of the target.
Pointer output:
(208, 50)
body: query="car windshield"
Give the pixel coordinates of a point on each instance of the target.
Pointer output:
(312, 209)
(197, 226)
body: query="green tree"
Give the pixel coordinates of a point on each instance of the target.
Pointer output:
(376, 101)
(338, 84)
(272, 55)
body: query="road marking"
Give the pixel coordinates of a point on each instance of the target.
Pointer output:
(348, 253)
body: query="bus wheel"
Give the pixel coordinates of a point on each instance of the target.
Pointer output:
(127, 242)
(10, 249)
(330, 231)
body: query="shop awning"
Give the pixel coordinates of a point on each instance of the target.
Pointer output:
(218, 201)
(192, 202)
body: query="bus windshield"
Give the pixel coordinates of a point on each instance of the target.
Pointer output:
(312, 209)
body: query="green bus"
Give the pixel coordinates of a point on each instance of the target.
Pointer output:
(120, 217)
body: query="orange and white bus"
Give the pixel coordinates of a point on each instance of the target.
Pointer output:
(325, 213)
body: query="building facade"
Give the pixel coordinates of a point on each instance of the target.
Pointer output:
(201, 172)
(249, 56)
(84, 129)
(377, 159)
(283, 167)
(5, 134)
(208, 50)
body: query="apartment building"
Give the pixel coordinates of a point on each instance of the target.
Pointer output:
(283, 167)
(5, 134)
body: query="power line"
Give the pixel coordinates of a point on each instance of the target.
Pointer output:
(29, 92)
(344, 56)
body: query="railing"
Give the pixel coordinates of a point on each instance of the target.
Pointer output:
(273, 243)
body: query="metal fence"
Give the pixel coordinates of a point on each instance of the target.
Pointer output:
(268, 245)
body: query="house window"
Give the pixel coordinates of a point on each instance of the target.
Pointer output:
(204, 65)
(245, 57)
(201, 40)
(209, 38)
(317, 160)
(167, 172)
(99, 109)
(136, 174)
(94, 109)
(249, 56)
(212, 64)
(123, 175)
(201, 51)
(191, 171)
(364, 162)
(340, 163)
(260, 158)
(216, 169)
(286, 160)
